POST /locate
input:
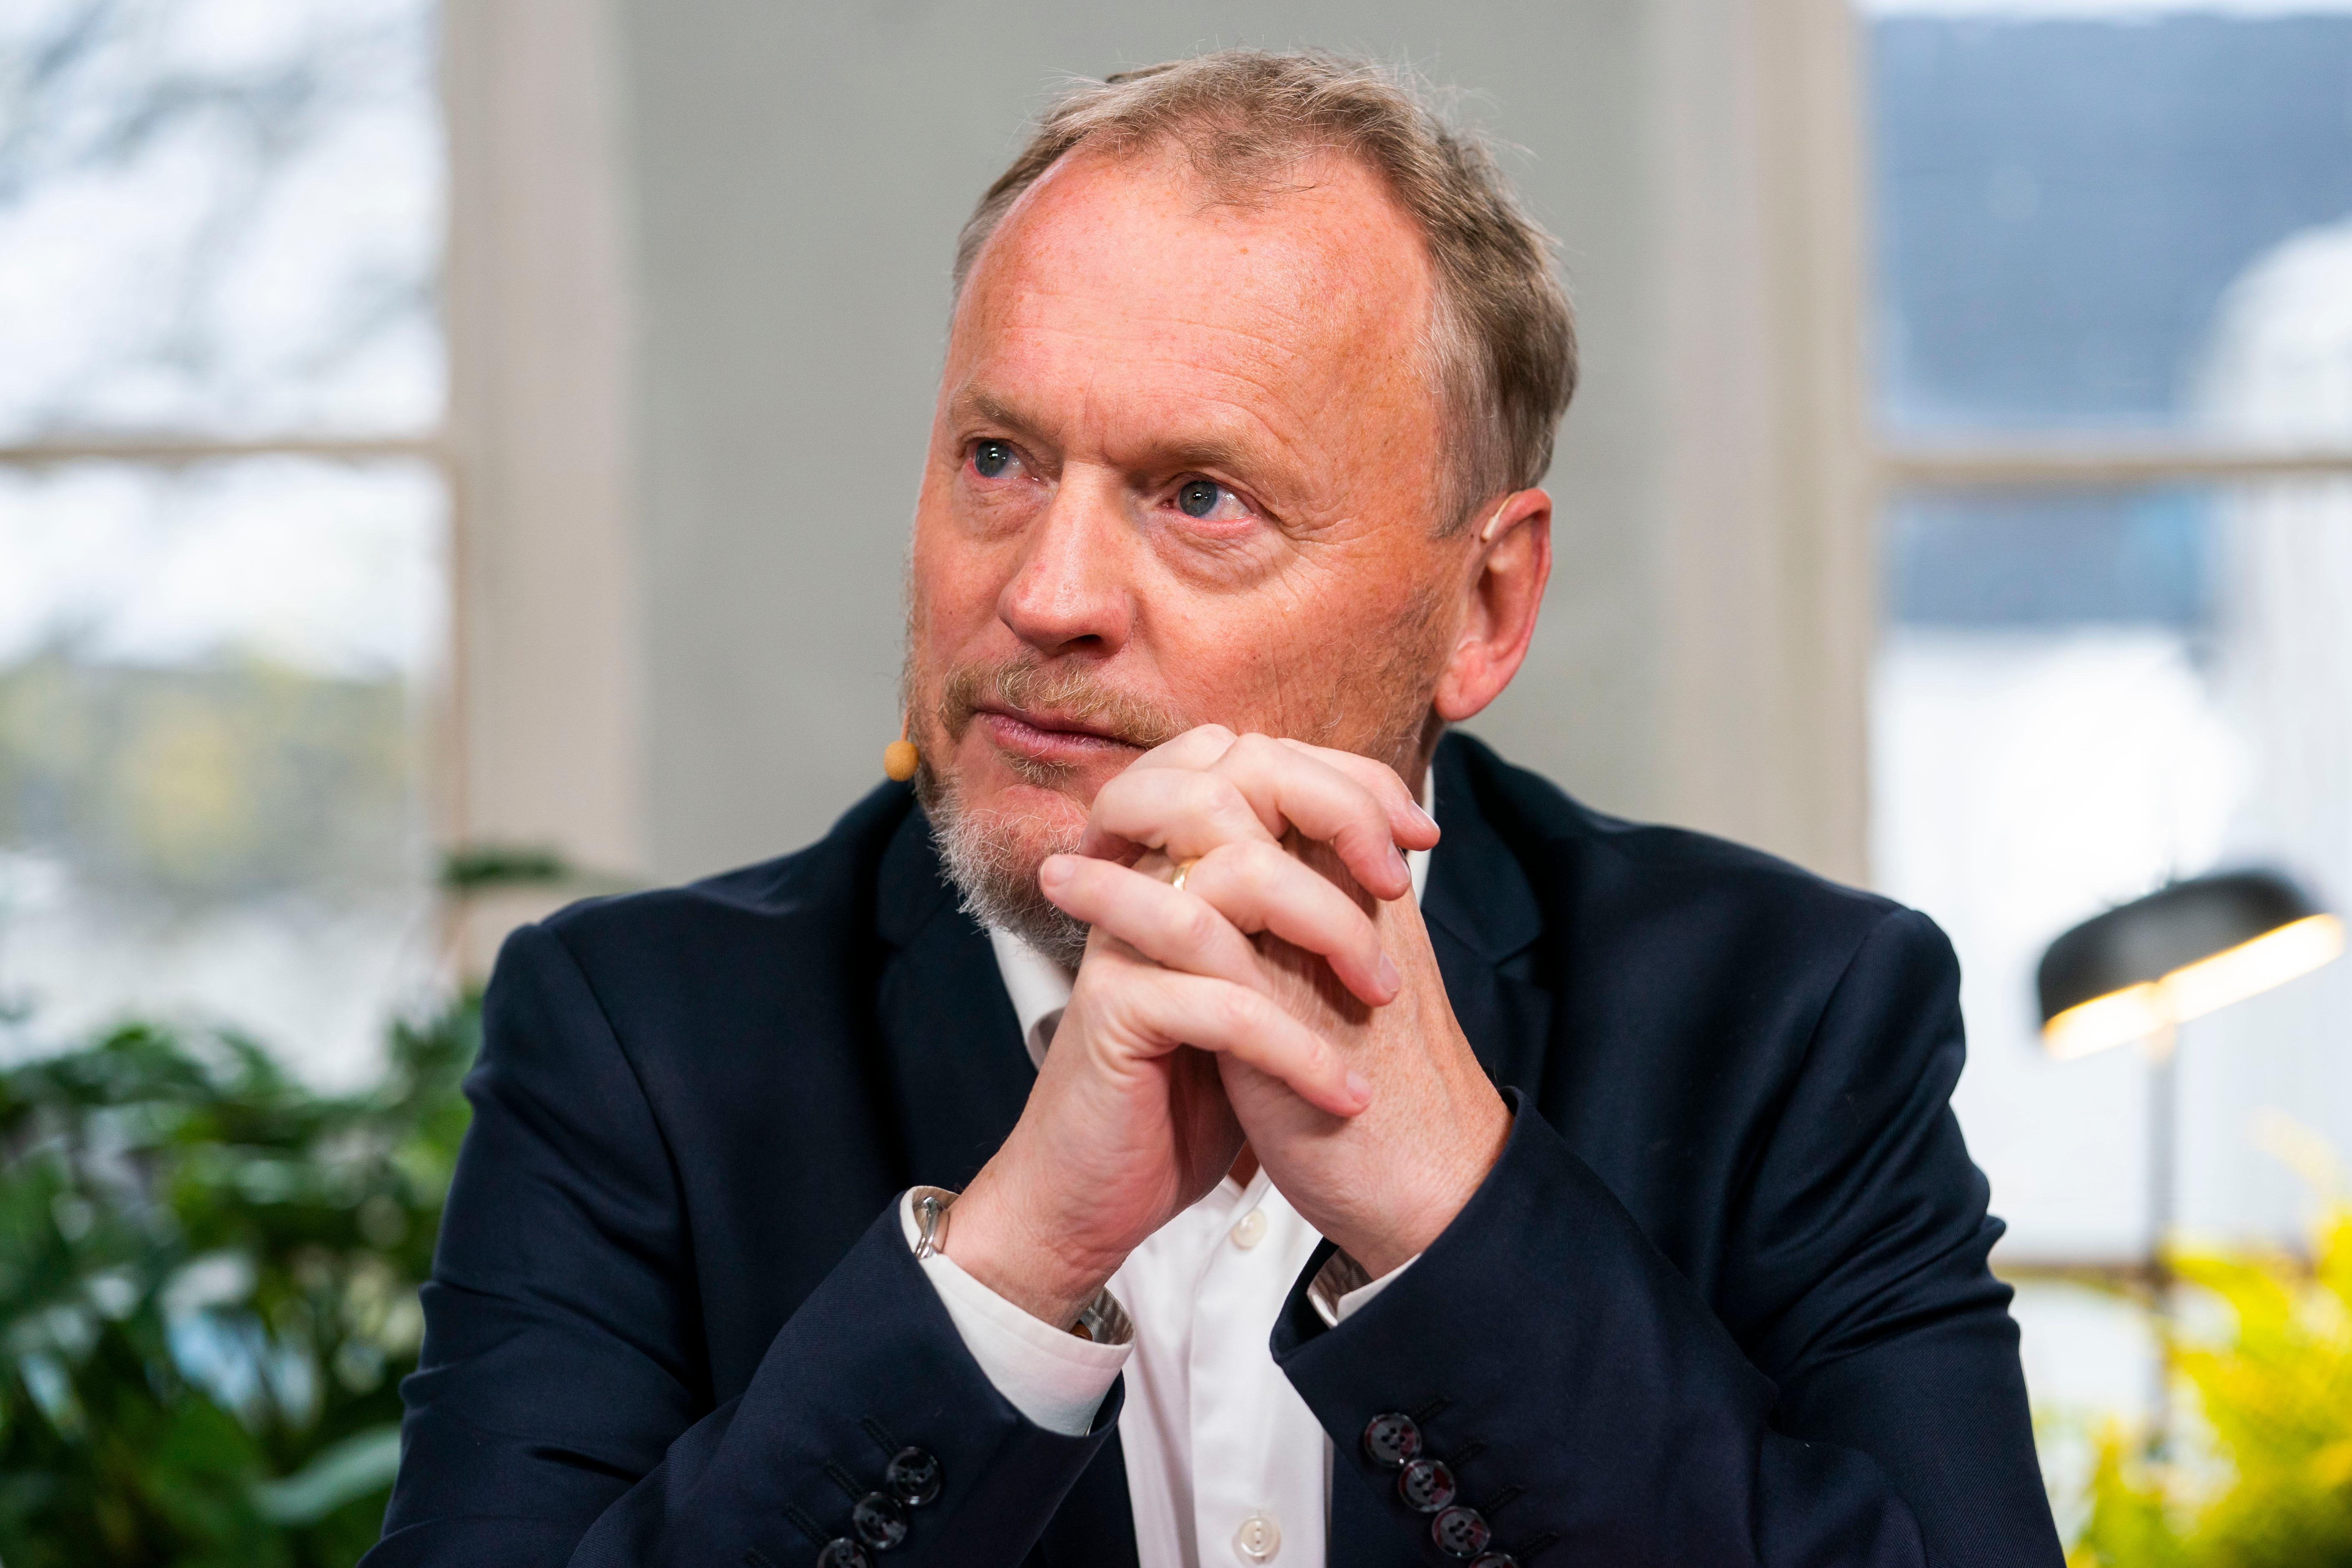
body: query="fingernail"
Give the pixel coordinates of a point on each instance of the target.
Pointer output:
(1052, 870)
(1424, 818)
(1359, 1087)
(1391, 981)
(1397, 866)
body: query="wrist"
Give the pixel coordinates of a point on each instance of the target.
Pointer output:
(1410, 1230)
(1011, 1255)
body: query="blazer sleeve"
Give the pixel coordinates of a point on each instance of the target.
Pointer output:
(1596, 1406)
(562, 1412)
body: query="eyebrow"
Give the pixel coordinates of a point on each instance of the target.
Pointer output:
(988, 405)
(1192, 452)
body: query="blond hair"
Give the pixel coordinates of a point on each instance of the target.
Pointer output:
(1502, 338)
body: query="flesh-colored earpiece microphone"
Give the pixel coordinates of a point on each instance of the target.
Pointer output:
(1487, 535)
(899, 757)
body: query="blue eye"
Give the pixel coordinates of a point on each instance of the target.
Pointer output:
(990, 458)
(1198, 497)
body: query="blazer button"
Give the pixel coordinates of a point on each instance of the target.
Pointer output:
(842, 1553)
(879, 1521)
(1497, 1559)
(1460, 1533)
(1391, 1441)
(915, 1475)
(1426, 1484)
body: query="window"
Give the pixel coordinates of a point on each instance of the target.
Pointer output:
(2112, 384)
(224, 514)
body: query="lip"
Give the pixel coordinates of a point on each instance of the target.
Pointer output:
(1048, 737)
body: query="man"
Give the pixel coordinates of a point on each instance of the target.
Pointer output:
(1180, 1194)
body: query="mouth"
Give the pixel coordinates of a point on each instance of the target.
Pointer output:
(1048, 738)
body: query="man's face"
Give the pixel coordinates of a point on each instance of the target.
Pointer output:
(1183, 470)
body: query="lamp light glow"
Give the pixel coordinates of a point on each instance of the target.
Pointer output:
(2139, 1012)
(2117, 1018)
(2253, 967)
(2182, 952)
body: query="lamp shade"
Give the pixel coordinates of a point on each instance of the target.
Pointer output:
(2182, 951)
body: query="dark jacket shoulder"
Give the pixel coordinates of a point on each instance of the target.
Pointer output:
(818, 904)
(1636, 871)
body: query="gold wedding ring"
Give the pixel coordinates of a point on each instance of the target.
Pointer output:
(1184, 869)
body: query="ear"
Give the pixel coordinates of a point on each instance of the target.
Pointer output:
(1509, 563)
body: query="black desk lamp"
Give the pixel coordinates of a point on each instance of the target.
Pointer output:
(2140, 971)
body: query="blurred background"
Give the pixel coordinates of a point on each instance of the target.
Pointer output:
(453, 456)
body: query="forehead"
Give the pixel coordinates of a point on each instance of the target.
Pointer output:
(1129, 273)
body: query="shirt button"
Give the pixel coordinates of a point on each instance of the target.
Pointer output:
(1250, 1230)
(1258, 1538)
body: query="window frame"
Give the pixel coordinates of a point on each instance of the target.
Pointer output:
(2046, 458)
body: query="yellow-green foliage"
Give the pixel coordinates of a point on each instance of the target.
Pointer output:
(2273, 1389)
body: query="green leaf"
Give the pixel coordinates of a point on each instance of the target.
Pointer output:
(363, 1463)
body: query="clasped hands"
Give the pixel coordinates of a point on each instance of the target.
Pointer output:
(1285, 998)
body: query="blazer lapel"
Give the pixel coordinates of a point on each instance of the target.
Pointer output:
(1482, 920)
(951, 1048)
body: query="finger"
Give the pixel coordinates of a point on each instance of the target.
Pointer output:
(1173, 1007)
(1172, 927)
(1259, 887)
(1292, 785)
(1182, 811)
(1230, 892)
(1197, 747)
(1414, 827)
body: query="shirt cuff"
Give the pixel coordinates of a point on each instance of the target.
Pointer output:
(1341, 1287)
(1053, 1377)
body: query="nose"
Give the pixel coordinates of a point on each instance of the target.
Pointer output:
(1071, 592)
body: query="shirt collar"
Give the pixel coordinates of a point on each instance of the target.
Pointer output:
(1040, 988)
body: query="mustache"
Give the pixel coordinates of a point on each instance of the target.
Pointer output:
(1069, 691)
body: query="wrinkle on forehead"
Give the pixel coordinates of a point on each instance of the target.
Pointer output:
(1334, 271)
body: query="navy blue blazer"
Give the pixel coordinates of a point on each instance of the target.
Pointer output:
(1723, 1301)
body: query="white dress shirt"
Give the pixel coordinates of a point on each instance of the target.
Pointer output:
(1226, 1467)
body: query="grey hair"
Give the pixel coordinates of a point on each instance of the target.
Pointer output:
(1502, 337)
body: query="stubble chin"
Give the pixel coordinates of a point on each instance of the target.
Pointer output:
(991, 851)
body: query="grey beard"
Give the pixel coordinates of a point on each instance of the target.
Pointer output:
(997, 887)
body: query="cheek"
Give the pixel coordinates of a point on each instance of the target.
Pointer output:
(954, 579)
(1330, 658)
(1245, 660)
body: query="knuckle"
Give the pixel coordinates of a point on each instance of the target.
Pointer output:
(1256, 750)
(1314, 1063)
(1215, 733)
(1233, 1012)
(1115, 792)
(1227, 801)
(1214, 877)
(1196, 923)
(1251, 869)
(1155, 999)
